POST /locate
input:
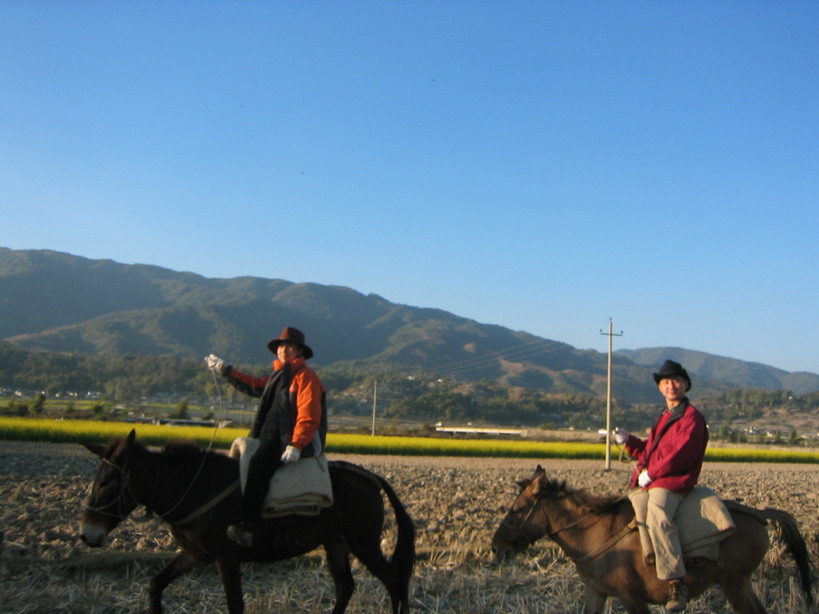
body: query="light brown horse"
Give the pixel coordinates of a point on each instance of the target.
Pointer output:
(593, 531)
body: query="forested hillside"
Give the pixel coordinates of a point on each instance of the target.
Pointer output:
(135, 330)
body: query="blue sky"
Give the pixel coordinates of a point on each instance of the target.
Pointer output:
(544, 166)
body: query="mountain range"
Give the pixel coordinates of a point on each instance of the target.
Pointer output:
(58, 302)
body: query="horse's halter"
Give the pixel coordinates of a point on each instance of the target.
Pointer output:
(533, 505)
(119, 500)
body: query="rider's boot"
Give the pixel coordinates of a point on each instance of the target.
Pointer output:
(677, 595)
(241, 533)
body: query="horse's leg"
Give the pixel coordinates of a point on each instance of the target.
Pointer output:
(742, 598)
(231, 574)
(594, 602)
(338, 560)
(181, 564)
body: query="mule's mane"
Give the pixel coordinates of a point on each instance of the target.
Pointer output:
(184, 453)
(187, 451)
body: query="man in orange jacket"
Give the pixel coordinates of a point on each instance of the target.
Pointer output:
(290, 421)
(668, 466)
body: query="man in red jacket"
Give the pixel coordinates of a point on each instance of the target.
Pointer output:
(290, 422)
(669, 461)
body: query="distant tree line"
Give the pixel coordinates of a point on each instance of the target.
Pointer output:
(353, 388)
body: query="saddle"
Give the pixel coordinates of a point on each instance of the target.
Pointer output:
(302, 488)
(702, 520)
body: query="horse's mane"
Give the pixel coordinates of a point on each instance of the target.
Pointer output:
(581, 497)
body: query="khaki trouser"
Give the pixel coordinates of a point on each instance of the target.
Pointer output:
(662, 504)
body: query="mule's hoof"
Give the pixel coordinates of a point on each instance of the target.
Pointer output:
(241, 534)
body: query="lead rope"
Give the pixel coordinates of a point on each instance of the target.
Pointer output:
(221, 415)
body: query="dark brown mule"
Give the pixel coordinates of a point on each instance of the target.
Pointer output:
(593, 532)
(197, 493)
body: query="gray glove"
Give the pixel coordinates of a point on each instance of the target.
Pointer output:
(621, 436)
(215, 363)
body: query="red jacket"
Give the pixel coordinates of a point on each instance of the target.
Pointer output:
(674, 450)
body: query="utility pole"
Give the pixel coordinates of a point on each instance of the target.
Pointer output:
(375, 403)
(608, 397)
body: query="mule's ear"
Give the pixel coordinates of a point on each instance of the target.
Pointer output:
(96, 448)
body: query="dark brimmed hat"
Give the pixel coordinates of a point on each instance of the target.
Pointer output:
(291, 335)
(672, 369)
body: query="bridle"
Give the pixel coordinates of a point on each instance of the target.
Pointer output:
(518, 528)
(119, 501)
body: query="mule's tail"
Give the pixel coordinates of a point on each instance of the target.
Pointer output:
(795, 544)
(403, 557)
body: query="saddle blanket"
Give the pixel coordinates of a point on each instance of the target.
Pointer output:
(702, 521)
(302, 488)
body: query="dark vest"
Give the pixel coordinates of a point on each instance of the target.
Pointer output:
(276, 415)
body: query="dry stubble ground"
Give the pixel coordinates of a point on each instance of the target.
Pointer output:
(456, 503)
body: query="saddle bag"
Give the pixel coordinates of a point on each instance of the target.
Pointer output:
(702, 521)
(303, 487)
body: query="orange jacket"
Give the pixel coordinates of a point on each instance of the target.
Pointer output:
(306, 392)
(306, 397)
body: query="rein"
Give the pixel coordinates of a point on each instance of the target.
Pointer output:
(199, 511)
(126, 487)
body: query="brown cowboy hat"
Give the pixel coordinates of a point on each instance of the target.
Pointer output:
(672, 369)
(291, 335)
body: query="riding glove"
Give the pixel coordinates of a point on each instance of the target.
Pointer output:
(214, 363)
(643, 480)
(291, 455)
(621, 436)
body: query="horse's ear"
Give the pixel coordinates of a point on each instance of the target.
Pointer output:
(538, 484)
(523, 483)
(95, 448)
(539, 469)
(131, 437)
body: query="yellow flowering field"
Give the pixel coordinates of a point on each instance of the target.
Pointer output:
(87, 431)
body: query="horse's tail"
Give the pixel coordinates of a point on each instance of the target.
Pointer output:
(403, 557)
(795, 543)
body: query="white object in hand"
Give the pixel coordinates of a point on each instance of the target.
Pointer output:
(214, 362)
(291, 455)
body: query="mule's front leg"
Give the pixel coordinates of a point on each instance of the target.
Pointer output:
(181, 564)
(231, 574)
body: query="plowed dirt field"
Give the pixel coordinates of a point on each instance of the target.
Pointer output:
(456, 503)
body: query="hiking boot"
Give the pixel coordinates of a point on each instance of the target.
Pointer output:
(677, 596)
(241, 533)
